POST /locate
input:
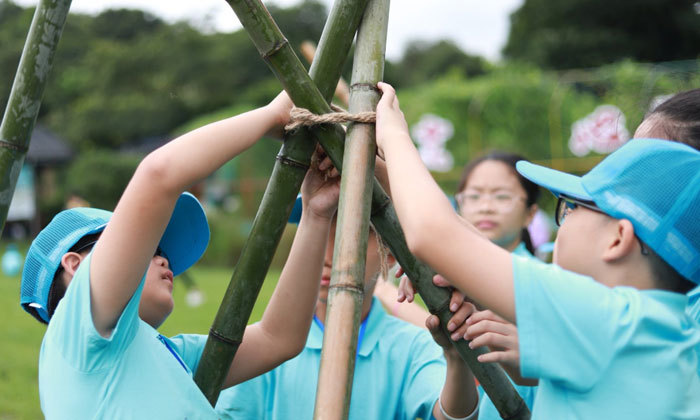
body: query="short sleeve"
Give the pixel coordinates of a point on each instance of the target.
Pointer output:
(569, 326)
(246, 400)
(425, 377)
(190, 348)
(72, 332)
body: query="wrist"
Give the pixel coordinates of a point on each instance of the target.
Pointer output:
(315, 217)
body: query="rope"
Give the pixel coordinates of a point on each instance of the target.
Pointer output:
(383, 252)
(303, 117)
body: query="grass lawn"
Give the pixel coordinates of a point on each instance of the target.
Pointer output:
(21, 334)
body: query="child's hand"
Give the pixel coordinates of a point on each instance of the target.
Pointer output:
(390, 119)
(321, 188)
(279, 107)
(485, 328)
(456, 326)
(406, 289)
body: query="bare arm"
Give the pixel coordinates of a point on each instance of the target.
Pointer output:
(458, 397)
(282, 332)
(126, 247)
(434, 233)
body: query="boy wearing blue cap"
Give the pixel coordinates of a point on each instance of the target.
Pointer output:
(103, 283)
(605, 329)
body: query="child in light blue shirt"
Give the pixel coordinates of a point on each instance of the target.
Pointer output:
(103, 283)
(605, 332)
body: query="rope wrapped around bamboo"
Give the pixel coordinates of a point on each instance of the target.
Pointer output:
(299, 117)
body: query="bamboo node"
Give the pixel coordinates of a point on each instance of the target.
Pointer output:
(219, 336)
(286, 160)
(13, 146)
(299, 117)
(366, 87)
(348, 287)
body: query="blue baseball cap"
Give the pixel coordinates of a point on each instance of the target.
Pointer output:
(655, 184)
(183, 243)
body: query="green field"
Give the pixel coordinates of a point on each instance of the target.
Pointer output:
(21, 334)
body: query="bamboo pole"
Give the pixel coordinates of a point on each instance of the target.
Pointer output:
(346, 291)
(290, 168)
(494, 381)
(342, 90)
(25, 97)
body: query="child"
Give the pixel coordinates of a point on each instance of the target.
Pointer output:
(101, 356)
(605, 332)
(400, 373)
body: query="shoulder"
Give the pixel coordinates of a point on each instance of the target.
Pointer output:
(407, 338)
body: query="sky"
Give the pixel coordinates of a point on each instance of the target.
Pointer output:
(477, 26)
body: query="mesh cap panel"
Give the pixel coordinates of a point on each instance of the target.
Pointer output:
(47, 249)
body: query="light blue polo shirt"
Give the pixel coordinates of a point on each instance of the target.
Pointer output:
(694, 311)
(604, 353)
(488, 411)
(134, 374)
(399, 373)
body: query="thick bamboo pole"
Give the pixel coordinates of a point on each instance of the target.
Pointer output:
(292, 162)
(25, 97)
(491, 376)
(346, 290)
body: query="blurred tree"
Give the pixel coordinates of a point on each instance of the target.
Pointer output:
(14, 25)
(125, 75)
(124, 24)
(423, 61)
(587, 33)
(100, 177)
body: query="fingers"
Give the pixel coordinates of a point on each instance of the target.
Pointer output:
(494, 341)
(456, 300)
(488, 326)
(433, 325)
(456, 325)
(388, 95)
(406, 290)
(326, 164)
(440, 281)
(486, 315)
(498, 357)
(399, 272)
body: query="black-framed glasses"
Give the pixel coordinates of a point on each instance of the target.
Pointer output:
(566, 205)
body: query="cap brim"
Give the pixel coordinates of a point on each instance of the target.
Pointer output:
(556, 181)
(187, 235)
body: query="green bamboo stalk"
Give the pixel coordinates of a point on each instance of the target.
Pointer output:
(25, 97)
(494, 381)
(384, 218)
(290, 168)
(346, 291)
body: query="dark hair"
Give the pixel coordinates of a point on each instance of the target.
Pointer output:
(666, 276)
(532, 190)
(680, 117)
(58, 287)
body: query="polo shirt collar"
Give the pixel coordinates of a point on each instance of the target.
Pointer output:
(373, 330)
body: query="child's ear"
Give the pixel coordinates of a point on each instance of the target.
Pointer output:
(70, 262)
(622, 241)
